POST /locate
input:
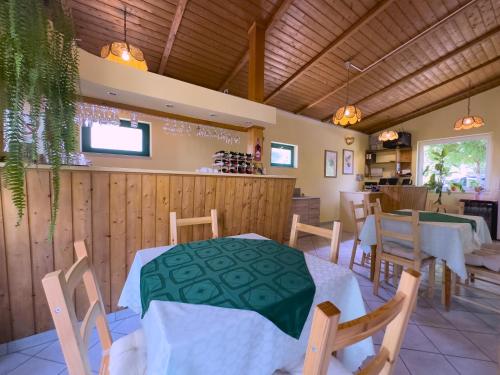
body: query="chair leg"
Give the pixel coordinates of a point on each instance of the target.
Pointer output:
(353, 254)
(432, 278)
(386, 271)
(376, 278)
(396, 271)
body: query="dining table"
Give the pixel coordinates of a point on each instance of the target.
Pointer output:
(202, 338)
(447, 241)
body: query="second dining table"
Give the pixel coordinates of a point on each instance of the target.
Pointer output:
(200, 338)
(447, 241)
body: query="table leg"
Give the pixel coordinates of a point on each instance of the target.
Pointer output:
(373, 259)
(446, 293)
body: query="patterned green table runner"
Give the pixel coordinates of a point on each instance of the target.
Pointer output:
(259, 275)
(440, 218)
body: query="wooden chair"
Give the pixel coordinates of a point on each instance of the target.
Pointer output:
(174, 223)
(328, 336)
(333, 235)
(442, 208)
(126, 355)
(358, 223)
(372, 207)
(484, 264)
(401, 255)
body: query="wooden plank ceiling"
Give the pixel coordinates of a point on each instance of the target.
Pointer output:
(416, 55)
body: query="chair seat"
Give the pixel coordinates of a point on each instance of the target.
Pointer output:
(402, 251)
(335, 367)
(485, 257)
(128, 355)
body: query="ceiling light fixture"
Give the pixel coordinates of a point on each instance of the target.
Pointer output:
(469, 122)
(388, 135)
(124, 52)
(348, 114)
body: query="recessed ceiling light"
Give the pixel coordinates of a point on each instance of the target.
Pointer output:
(212, 114)
(112, 93)
(169, 105)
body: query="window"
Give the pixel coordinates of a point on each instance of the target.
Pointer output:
(283, 155)
(121, 140)
(466, 162)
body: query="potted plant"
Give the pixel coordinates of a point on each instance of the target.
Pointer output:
(38, 90)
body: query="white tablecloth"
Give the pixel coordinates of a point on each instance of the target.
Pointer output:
(188, 339)
(446, 241)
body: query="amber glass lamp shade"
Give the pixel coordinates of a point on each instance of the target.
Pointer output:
(124, 53)
(388, 135)
(469, 122)
(347, 115)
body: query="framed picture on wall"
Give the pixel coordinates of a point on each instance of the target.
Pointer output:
(347, 161)
(330, 163)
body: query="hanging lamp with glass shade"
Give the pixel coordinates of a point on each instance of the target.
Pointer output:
(348, 114)
(469, 122)
(124, 52)
(388, 135)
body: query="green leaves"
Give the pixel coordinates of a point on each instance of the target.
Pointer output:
(38, 77)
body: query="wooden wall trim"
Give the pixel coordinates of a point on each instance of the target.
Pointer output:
(117, 213)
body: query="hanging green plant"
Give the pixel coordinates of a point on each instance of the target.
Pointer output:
(38, 90)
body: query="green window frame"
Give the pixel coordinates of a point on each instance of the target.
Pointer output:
(283, 146)
(146, 141)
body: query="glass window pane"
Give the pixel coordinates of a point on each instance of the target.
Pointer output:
(462, 165)
(281, 156)
(116, 138)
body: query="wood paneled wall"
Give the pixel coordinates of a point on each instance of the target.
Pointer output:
(117, 214)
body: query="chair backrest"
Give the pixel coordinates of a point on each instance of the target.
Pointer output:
(174, 223)
(359, 220)
(383, 219)
(59, 289)
(327, 335)
(372, 207)
(442, 208)
(333, 235)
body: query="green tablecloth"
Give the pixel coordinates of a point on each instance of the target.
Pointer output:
(440, 218)
(259, 275)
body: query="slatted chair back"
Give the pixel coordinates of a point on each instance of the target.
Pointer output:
(385, 234)
(442, 208)
(372, 207)
(74, 337)
(174, 223)
(333, 235)
(328, 336)
(358, 212)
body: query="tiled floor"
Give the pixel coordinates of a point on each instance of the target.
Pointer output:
(463, 341)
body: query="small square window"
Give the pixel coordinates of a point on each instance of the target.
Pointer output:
(283, 155)
(120, 140)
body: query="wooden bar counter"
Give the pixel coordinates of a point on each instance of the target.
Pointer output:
(117, 212)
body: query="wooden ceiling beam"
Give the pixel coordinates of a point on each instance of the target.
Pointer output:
(372, 13)
(434, 87)
(431, 65)
(368, 69)
(275, 18)
(176, 22)
(437, 105)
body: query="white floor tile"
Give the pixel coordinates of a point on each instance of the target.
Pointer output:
(421, 363)
(488, 343)
(452, 342)
(39, 367)
(466, 366)
(128, 325)
(466, 321)
(30, 341)
(9, 362)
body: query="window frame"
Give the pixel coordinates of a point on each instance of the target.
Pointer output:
(145, 127)
(470, 137)
(292, 148)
